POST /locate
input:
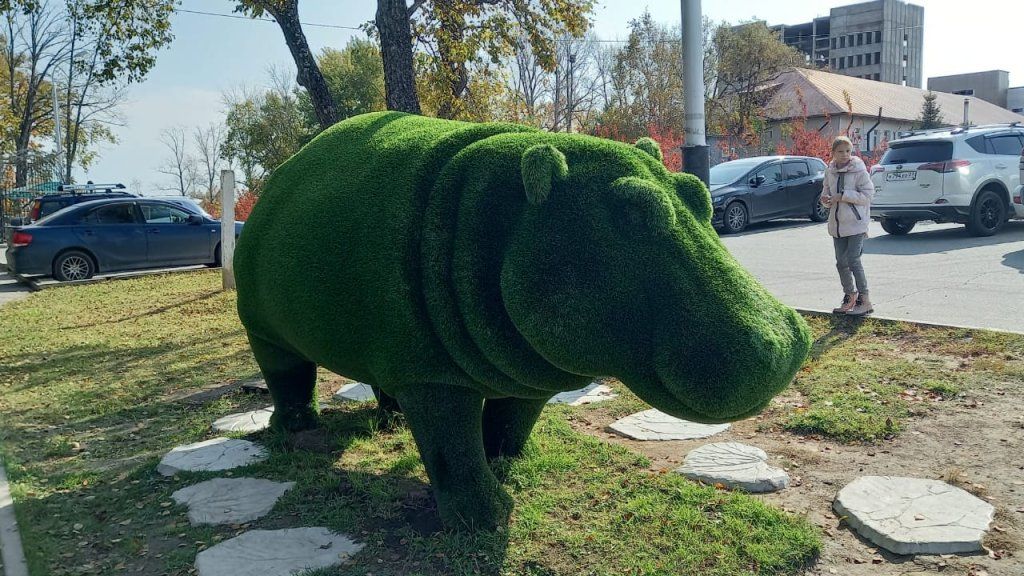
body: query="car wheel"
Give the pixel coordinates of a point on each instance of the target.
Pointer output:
(819, 213)
(734, 219)
(73, 265)
(897, 226)
(988, 215)
(216, 258)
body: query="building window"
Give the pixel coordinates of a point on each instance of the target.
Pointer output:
(849, 40)
(878, 57)
(877, 76)
(967, 92)
(905, 38)
(860, 39)
(832, 64)
(840, 67)
(833, 43)
(867, 38)
(904, 61)
(878, 36)
(860, 59)
(849, 61)
(842, 42)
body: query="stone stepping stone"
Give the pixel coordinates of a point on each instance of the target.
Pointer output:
(276, 553)
(594, 392)
(252, 421)
(656, 425)
(230, 500)
(357, 392)
(735, 465)
(211, 456)
(914, 515)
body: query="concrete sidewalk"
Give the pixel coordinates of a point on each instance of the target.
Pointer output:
(936, 274)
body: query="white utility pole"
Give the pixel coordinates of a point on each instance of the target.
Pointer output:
(227, 228)
(696, 159)
(56, 126)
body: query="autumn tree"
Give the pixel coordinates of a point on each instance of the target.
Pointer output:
(264, 128)
(463, 36)
(355, 79)
(749, 58)
(209, 142)
(286, 14)
(646, 81)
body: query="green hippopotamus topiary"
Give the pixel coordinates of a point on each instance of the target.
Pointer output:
(469, 272)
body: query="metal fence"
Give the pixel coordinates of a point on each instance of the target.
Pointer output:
(25, 176)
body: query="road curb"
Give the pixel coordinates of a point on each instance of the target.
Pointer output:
(892, 320)
(37, 286)
(13, 555)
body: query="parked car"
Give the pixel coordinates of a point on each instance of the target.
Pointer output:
(765, 188)
(1018, 198)
(114, 234)
(189, 204)
(962, 175)
(71, 194)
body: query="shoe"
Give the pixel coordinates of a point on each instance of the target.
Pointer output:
(862, 308)
(849, 301)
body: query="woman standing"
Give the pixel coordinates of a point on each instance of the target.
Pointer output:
(847, 191)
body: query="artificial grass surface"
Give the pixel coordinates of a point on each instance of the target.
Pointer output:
(447, 263)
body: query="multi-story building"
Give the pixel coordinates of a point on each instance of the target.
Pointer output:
(880, 40)
(991, 86)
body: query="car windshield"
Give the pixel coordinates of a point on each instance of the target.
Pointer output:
(918, 152)
(728, 172)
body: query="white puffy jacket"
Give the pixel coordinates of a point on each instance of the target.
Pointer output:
(851, 205)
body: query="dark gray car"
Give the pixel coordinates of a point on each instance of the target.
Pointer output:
(764, 188)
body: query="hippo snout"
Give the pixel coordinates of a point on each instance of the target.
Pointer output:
(734, 370)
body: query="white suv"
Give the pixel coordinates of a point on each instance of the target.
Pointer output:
(951, 175)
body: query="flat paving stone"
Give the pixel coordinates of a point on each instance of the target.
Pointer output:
(593, 393)
(230, 500)
(914, 515)
(252, 421)
(356, 392)
(656, 425)
(211, 456)
(735, 465)
(276, 553)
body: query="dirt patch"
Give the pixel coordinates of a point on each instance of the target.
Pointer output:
(974, 441)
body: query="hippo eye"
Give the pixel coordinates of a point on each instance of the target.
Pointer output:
(643, 205)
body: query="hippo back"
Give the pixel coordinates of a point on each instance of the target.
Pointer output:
(328, 264)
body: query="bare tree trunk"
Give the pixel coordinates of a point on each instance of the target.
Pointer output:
(396, 52)
(309, 76)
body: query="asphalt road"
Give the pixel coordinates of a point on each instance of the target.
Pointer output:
(937, 273)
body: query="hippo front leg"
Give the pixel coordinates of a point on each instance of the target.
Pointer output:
(507, 425)
(446, 423)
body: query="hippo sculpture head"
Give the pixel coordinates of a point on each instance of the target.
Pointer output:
(469, 272)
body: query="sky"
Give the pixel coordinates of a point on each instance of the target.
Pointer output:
(211, 55)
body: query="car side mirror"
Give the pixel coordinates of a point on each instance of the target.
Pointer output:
(195, 219)
(757, 180)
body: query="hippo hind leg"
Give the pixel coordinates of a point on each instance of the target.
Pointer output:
(446, 423)
(507, 425)
(292, 383)
(387, 406)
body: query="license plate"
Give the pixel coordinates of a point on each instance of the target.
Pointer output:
(900, 176)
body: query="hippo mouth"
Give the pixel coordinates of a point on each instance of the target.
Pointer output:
(656, 393)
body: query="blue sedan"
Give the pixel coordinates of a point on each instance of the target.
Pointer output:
(115, 234)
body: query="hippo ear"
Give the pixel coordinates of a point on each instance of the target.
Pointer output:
(650, 146)
(541, 166)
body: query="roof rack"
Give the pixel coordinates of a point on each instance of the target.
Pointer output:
(90, 187)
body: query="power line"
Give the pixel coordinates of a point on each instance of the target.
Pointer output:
(238, 17)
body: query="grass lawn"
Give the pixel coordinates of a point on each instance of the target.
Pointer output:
(97, 382)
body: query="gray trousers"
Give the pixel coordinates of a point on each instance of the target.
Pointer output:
(851, 271)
